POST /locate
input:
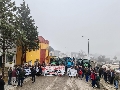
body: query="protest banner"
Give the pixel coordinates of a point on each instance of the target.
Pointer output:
(27, 72)
(54, 70)
(71, 72)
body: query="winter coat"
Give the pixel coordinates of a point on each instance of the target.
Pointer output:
(40, 70)
(93, 76)
(2, 83)
(21, 74)
(33, 72)
(14, 73)
(105, 74)
(116, 77)
(80, 72)
(86, 73)
(10, 73)
(97, 78)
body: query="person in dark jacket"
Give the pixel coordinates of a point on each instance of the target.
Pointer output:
(77, 68)
(40, 70)
(100, 72)
(105, 76)
(2, 83)
(87, 74)
(9, 76)
(112, 75)
(98, 80)
(21, 77)
(33, 73)
(83, 70)
(109, 75)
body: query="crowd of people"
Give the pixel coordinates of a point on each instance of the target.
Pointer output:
(110, 76)
(94, 75)
(17, 75)
(88, 74)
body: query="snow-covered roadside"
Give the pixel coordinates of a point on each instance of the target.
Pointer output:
(77, 84)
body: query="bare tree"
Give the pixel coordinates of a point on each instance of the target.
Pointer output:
(115, 57)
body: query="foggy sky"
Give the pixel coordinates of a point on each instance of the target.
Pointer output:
(64, 22)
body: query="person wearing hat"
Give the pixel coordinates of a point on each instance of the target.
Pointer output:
(2, 83)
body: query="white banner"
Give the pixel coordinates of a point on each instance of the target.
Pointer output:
(28, 71)
(54, 70)
(71, 72)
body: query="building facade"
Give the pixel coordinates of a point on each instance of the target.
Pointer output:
(55, 53)
(39, 55)
(10, 61)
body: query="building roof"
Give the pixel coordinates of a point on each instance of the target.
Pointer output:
(42, 40)
(47, 42)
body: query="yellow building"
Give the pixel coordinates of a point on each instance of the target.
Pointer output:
(32, 57)
(38, 55)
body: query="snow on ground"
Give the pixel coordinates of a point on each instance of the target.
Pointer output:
(57, 83)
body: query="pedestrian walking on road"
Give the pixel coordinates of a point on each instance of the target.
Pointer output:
(111, 76)
(116, 79)
(80, 74)
(86, 74)
(93, 78)
(77, 68)
(33, 73)
(98, 81)
(83, 70)
(2, 83)
(14, 75)
(9, 76)
(21, 77)
(105, 76)
(40, 70)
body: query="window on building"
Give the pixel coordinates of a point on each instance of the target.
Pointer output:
(9, 58)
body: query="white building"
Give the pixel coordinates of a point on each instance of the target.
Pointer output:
(61, 55)
(7, 58)
(54, 53)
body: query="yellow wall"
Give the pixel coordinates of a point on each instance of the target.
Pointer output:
(33, 55)
(18, 56)
(43, 45)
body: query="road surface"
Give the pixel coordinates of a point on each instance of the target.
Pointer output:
(57, 83)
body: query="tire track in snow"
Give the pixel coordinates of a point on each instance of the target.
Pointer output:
(51, 85)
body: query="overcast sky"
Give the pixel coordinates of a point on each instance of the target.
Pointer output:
(64, 22)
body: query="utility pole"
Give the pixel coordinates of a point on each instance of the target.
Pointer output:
(88, 48)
